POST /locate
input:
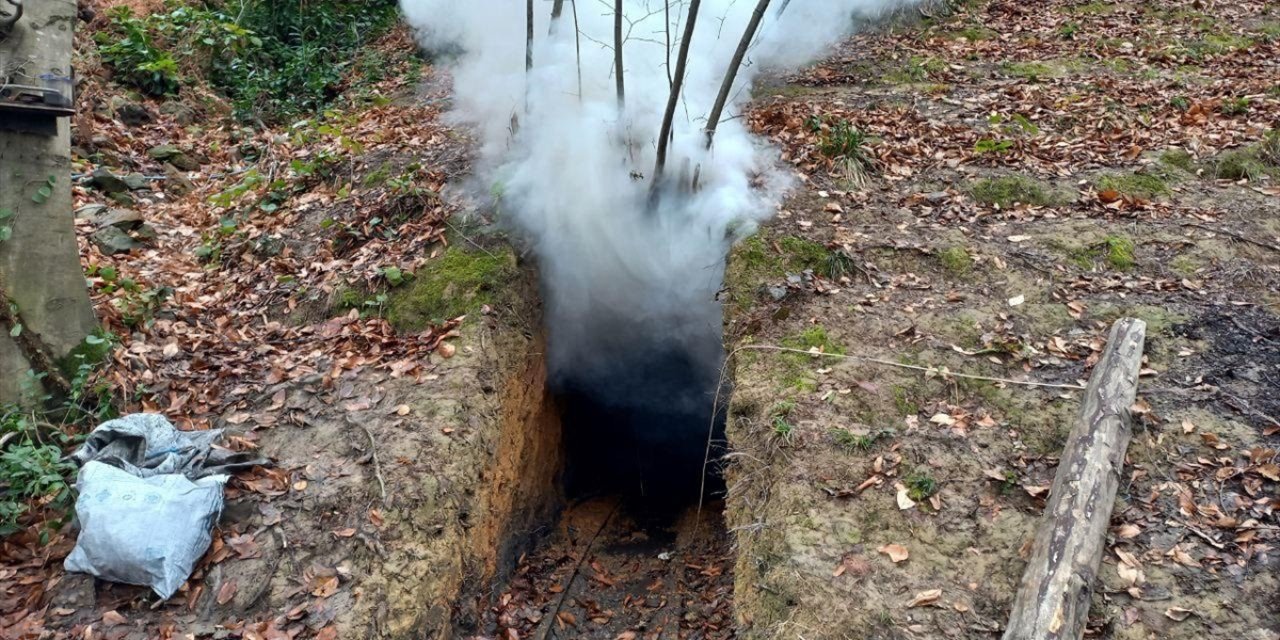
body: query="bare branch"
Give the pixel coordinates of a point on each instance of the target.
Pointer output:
(682, 60)
(528, 42)
(731, 74)
(666, 8)
(577, 45)
(617, 53)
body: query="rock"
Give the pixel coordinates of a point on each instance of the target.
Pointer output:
(181, 113)
(123, 219)
(133, 114)
(123, 198)
(102, 141)
(90, 211)
(937, 197)
(163, 152)
(103, 180)
(111, 240)
(137, 182)
(268, 246)
(176, 181)
(174, 156)
(146, 233)
(775, 292)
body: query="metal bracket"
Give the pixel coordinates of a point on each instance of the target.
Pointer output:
(7, 20)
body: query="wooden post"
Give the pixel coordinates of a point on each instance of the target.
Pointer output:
(40, 271)
(1053, 599)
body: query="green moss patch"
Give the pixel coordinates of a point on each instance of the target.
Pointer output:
(456, 283)
(1031, 71)
(1247, 163)
(1178, 159)
(1116, 252)
(955, 260)
(1006, 191)
(1138, 185)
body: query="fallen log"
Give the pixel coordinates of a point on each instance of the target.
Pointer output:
(1053, 599)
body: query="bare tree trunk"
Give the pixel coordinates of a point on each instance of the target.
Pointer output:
(40, 271)
(557, 8)
(783, 6)
(731, 74)
(1053, 600)
(617, 53)
(528, 41)
(664, 134)
(577, 45)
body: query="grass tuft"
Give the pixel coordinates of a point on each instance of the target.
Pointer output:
(1006, 191)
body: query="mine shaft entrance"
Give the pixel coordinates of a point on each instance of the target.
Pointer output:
(640, 549)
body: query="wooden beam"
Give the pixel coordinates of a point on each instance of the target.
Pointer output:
(1053, 599)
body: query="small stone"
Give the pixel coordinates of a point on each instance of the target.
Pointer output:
(132, 114)
(174, 156)
(102, 141)
(111, 240)
(123, 198)
(137, 182)
(176, 182)
(268, 246)
(146, 233)
(123, 219)
(103, 180)
(937, 197)
(181, 113)
(90, 211)
(776, 292)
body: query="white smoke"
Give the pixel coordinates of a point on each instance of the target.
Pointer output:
(574, 170)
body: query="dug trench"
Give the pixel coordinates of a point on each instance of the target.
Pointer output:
(629, 540)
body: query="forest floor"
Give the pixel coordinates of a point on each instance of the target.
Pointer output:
(1029, 174)
(982, 192)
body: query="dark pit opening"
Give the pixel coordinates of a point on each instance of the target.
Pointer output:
(647, 428)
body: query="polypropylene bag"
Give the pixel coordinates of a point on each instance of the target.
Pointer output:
(143, 531)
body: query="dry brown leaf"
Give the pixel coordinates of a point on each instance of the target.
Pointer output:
(896, 552)
(926, 598)
(227, 592)
(325, 587)
(112, 618)
(904, 499)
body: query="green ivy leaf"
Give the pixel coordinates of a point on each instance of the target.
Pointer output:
(5, 214)
(6, 233)
(15, 331)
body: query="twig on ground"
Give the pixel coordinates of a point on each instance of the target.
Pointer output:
(577, 568)
(1232, 234)
(377, 466)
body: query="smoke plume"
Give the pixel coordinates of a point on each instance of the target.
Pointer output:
(625, 279)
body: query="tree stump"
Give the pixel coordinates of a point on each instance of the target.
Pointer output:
(1053, 599)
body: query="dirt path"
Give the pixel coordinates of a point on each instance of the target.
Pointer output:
(1028, 175)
